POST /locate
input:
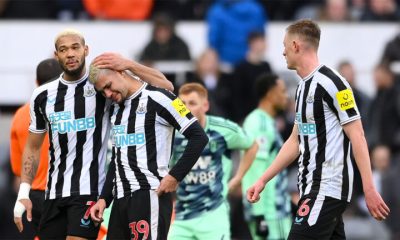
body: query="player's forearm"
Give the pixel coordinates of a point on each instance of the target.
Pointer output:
(355, 133)
(150, 75)
(197, 140)
(246, 161)
(106, 192)
(288, 153)
(31, 156)
(360, 152)
(30, 162)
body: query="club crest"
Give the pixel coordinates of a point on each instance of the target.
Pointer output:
(141, 108)
(310, 99)
(89, 91)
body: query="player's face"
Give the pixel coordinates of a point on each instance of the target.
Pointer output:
(280, 95)
(70, 53)
(196, 104)
(111, 86)
(288, 51)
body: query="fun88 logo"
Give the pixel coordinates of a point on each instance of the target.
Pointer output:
(305, 128)
(62, 122)
(132, 139)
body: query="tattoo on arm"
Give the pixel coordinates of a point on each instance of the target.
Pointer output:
(30, 168)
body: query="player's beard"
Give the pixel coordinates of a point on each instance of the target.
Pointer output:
(75, 72)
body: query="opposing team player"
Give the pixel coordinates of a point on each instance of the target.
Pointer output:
(201, 208)
(269, 218)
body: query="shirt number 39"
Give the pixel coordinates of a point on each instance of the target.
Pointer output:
(140, 227)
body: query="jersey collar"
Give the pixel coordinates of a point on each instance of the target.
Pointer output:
(83, 78)
(312, 73)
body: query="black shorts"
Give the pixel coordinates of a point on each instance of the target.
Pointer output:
(37, 198)
(142, 215)
(69, 216)
(318, 218)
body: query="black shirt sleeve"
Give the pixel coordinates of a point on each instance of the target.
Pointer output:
(106, 192)
(197, 140)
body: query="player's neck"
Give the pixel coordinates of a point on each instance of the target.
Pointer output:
(202, 120)
(267, 107)
(307, 65)
(134, 85)
(72, 78)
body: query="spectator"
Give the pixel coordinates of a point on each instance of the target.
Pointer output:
(183, 9)
(38, 9)
(229, 23)
(391, 55)
(334, 11)
(381, 10)
(208, 74)
(391, 193)
(356, 8)
(346, 69)
(327, 10)
(165, 44)
(119, 9)
(384, 112)
(245, 75)
(282, 9)
(70, 10)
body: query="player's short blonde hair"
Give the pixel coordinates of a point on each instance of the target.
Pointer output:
(307, 30)
(193, 87)
(69, 32)
(95, 72)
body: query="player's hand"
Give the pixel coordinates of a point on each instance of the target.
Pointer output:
(96, 212)
(376, 206)
(234, 184)
(112, 61)
(20, 206)
(167, 184)
(253, 193)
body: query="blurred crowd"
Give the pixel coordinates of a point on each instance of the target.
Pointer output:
(235, 57)
(276, 10)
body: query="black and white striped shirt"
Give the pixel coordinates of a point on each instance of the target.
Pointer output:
(73, 114)
(142, 134)
(324, 102)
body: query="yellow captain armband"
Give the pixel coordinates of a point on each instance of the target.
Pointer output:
(180, 107)
(345, 99)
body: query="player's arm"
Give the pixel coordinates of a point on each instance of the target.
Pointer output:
(197, 140)
(288, 153)
(30, 162)
(119, 63)
(31, 155)
(106, 192)
(376, 206)
(106, 196)
(244, 165)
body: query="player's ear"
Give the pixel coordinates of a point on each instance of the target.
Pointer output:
(206, 105)
(86, 50)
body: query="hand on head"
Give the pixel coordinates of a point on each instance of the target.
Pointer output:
(112, 61)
